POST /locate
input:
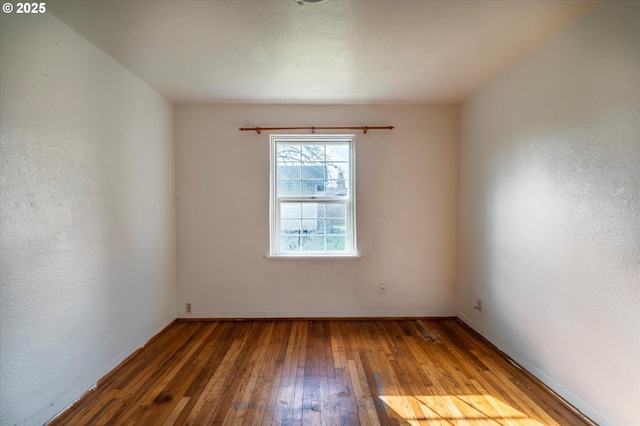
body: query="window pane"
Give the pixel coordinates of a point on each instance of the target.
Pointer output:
(312, 226)
(312, 171)
(336, 226)
(286, 171)
(336, 210)
(337, 171)
(313, 243)
(336, 243)
(290, 210)
(313, 188)
(289, 243)
(337, 179)
(337, 152)
(312, 153)
(290, 226)
(313, 210)
(288, 153)
(289, 188)
(337, 188)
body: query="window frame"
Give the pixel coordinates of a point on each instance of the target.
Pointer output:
(276, 201)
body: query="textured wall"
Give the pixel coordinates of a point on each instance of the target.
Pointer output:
(550, 212)
(406, 211)
(87, 211)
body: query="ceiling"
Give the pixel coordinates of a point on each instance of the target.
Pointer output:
(335, 51)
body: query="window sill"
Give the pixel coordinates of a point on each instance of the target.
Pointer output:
(313, 256)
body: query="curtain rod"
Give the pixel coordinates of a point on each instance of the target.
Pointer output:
(314, 128)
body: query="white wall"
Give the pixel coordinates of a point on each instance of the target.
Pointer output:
(550, 212)
(87, 209)
(406, 215)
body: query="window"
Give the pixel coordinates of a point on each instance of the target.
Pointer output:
(313, 195)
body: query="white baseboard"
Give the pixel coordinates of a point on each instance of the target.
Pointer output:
(323, 314)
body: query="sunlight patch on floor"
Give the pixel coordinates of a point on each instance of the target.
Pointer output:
(456, 409)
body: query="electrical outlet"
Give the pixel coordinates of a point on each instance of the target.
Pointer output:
(188, 308)
(477, 305)
(383, 288)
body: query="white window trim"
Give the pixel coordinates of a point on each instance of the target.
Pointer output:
(351, 249)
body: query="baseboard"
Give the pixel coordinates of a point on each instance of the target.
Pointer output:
(438, 313)
(241, 319)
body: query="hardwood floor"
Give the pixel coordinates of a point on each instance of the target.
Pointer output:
(370, 372)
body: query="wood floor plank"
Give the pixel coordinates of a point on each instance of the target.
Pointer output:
(219, 390)
(177, 366)
(175, 413)
(320, 372)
